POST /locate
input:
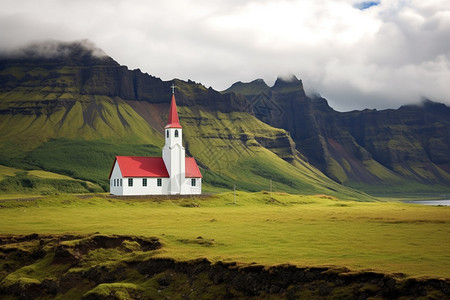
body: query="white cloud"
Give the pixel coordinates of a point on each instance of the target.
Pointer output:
(386, 55)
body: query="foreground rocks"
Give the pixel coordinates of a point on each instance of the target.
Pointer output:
(124, 267)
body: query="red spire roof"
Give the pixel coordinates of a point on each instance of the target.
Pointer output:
(172, 121)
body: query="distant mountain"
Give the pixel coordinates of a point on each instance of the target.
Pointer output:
(68, 108)
(402, 150)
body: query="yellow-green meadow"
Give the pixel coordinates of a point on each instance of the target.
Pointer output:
(388, 237)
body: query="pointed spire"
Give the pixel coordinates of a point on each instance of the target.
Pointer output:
(172, 120)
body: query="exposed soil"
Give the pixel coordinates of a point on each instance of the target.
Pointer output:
(123, 267)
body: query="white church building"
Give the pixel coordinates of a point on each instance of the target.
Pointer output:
(171, 174)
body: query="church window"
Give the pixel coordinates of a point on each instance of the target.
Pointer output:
(114, 182)
(193, 182)
(120, 181)
(144, 181)
(176, 132)
(167, 133)
(130, 181)
(159, 182)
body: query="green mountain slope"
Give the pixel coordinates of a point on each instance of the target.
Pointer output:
(16, 181)
(71, 114)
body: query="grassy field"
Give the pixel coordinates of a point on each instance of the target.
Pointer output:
(30, 183)
(389, 237)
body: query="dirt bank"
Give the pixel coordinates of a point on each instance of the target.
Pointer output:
(124, 267)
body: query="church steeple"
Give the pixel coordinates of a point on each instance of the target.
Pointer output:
(173, 152)
(172, 120)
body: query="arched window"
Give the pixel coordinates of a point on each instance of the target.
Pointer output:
(176, 132)
(167, 133)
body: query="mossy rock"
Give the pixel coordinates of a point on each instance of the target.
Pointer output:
(116, 291)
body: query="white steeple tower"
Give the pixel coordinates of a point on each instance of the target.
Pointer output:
(173, 152)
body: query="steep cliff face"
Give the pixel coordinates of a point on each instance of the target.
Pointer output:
(80, 72)
(422, 132)
(389, 148)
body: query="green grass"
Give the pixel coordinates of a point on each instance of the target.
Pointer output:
(22, 184)
(45, 174)
(252, 88)
(80, 159)
(7, 171)
(405, 188)
(316, 230)
(37, 182)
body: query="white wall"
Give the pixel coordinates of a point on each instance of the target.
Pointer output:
(137, 188)
(116, 175)
(188, 189)
(150, 189)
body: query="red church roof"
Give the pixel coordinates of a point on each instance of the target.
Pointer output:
(191, 168)
(172, 120)
(141, 166)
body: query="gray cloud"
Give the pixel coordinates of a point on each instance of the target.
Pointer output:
(382, 56)
(54, 49)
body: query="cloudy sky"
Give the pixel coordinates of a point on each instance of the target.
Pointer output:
(357, 54)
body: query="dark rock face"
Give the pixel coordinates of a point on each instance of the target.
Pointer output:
(366, 146)
(76, 68)
(424, 130)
